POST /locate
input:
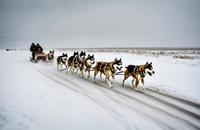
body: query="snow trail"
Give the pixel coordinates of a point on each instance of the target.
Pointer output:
(37, 96)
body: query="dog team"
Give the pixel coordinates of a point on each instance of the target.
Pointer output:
(81, 64)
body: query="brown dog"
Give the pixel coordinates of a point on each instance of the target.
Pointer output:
(108, 69)
(138, 73)
(45, 57)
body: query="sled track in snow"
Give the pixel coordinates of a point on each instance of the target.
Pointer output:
(64, 79)
(156, 96)
(176, 98)
(96, 101)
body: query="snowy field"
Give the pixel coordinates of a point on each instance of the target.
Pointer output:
(35, 96)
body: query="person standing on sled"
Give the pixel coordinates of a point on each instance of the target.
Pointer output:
(39, 48)
(33, 49)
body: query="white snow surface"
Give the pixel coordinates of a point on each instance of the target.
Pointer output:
(177, 77)
(36, 96)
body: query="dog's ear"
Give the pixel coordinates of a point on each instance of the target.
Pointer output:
(93, 55)
(63, 54)
(146, 63)
(88, 55)
(151, 63)
(115, 59)
(120, 59)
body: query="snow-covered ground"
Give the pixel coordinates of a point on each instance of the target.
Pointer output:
(174, 76)
(37, 96)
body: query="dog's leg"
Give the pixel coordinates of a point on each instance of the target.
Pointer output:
(95, 74)
(71, 68)
(113, 76)
(105, 79)
(136, 82)
(67, 68)
(83, 72)
(62, 66)
(143, 87)
(108, 82)
(133, 84)
(125, 77)
(124, 80)
(88, 73)
(100, 74)
(77, 70)
(142, 81)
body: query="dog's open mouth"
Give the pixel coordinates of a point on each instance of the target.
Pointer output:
(151, 73)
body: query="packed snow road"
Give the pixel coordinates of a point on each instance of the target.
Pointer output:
(37, 96)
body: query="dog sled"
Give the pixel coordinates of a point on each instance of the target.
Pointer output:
(38, 54)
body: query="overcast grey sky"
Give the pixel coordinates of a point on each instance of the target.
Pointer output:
(100, 23)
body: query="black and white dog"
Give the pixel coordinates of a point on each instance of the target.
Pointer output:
(78, 60)
(71, 61)
(87, 65)
(62, 61)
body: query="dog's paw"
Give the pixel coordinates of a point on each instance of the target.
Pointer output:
(136, 89)
(143, 88)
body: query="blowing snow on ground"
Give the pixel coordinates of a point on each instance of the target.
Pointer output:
(36, 96)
